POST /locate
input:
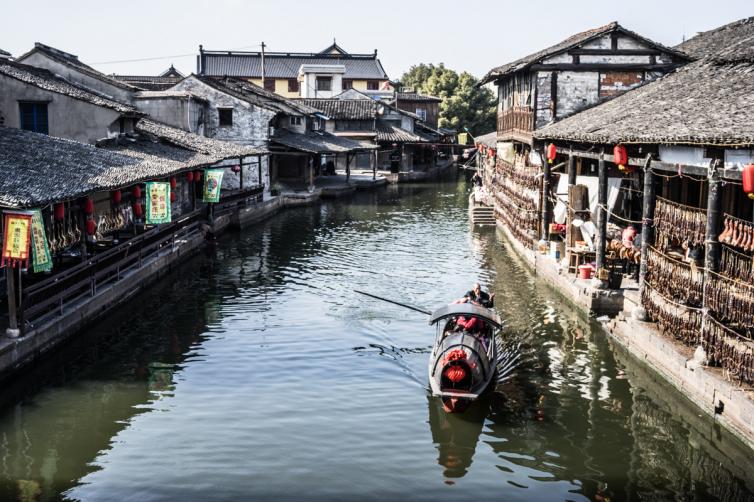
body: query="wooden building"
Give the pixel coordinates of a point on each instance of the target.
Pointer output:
(332, 70)
(688, 141)
(426, 107)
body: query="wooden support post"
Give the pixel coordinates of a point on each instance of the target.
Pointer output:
(647, 233)
(260, 182)
(546, 171)
(601, 218)
(12, 330)
(349, 156)
(82, 239)
(311, 174)
(714, 200)
(374, 164)
(571, 170)
(240, 173)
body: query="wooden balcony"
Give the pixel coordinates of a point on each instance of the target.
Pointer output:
(516, 123)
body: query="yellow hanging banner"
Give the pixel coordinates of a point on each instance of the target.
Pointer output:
(17, 239)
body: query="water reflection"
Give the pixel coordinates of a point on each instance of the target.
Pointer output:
(456, 434)
(254, 372)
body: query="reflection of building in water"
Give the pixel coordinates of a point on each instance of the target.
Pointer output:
(706, 461)
(456, 435)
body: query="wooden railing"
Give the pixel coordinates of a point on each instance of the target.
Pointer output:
(51, 296)
(518, 120)
(228, 203)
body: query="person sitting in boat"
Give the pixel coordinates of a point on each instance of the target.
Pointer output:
(478, 297)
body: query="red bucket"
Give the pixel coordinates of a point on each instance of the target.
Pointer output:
(585, 271)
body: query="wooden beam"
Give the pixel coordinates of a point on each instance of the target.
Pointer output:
(603, 66)
(615, 52)
(691, 170)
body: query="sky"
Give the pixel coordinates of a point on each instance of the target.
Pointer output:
(469, 35)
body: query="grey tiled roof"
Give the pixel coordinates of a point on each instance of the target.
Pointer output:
(73, 62)
(318, 142)
(388, 133)
(348, 109)
(4, 53)
(246, 91)
(571, 42)
(44, 79)
(276, 65)
(489, 139)
(416, 97)
(711, 42)
(147, 82)
(194, 142)
(36, 169)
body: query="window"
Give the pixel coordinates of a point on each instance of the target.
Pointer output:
(226, 116)
(324, 83)
(422, 113)
(269, 84)
(347, 84)
(34, 117)
(373, 85)
(295, 120)
(354, 125)
(292, 85)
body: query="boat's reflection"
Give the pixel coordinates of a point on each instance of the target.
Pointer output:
(456, 434)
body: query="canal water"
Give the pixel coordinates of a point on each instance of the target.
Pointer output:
(255, 372)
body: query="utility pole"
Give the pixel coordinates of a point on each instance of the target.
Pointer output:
(263, 74)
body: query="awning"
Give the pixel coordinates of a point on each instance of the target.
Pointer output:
(314, 142)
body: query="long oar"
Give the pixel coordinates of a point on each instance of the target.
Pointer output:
(417, 309)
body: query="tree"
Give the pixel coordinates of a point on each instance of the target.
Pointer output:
(464, 104)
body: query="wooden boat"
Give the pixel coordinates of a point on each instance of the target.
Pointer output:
(463, 364)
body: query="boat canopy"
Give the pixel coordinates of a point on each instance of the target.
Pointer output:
(466, 309)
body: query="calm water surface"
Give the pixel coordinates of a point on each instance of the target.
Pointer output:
(255, 372)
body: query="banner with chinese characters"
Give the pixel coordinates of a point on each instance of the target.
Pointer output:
(213, 179)
(40, 251)
(158, 203)
(16, 239)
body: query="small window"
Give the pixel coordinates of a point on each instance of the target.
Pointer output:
(373, 85)
(226, 116)
(422, 113)
(295, 120)
(347, 84)
(269, 84)
(34, 117)
(292, 85)
(324, 83)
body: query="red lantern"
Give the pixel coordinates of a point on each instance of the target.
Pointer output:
(747, 176)
(138, 211)
(620, 157)
(117, 196)
(59, 211)
(91, 227)
(190, 176)
(198, 176)
(89, 205)
(551, 153)
(172, 196)
(173, 183)
(137, 192)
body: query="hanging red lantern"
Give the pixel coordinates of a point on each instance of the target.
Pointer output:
(190, 176)
(173, 183)
(59, 211)
(620, 157)
(551, 153)
(137, 192)
(91, 227)
(236, 169)
(747, 176)
(138, 211)
(172, 196)
(197, 176)
(89, 205)
(117, 196)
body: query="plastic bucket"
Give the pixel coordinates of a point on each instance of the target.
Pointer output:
(585, 271)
